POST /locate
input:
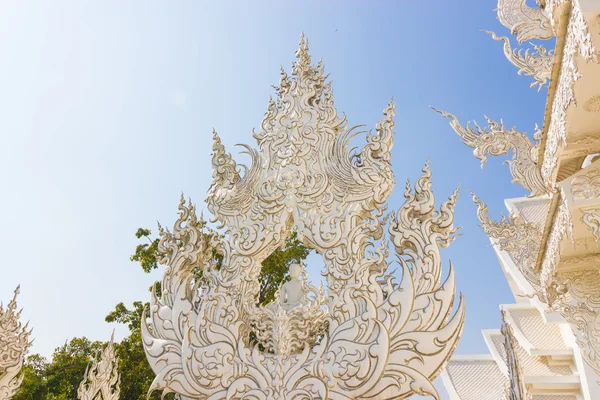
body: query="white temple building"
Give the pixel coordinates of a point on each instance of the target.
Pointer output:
(548, 347)
(535, 346)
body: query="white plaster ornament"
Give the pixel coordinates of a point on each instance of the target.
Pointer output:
(370, 335)
(102, 380)
(14, 342)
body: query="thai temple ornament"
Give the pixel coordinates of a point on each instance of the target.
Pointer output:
(537, 64)
(497, 140)
(102, 380)
(591, 217)
(370, 336)
(519, 238)
(524, 22)
(294, 318)
(14, 342)
(513, 367)
(527, 23)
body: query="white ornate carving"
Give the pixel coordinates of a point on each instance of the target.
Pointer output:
(562, 225)
(287, 324)
(383, 339)
(586, 186)
(515, 385)
(576, 295)
(14, 341)
(536, 64)
(518, 238)
(523, 21)
(496, 140)
(577, 41)
(102, 380)
(591, 217)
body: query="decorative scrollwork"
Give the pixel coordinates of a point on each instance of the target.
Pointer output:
(102, 380)
(591, 217)
(576, 295)
(586, 186)
(517, 237)
(536, 64)
(523, 21)
(496, 140)
(14, 342)
(382, 339)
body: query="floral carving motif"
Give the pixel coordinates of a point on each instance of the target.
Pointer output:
(496, 140)
(586, 186)
(102, 380)
(14, 341)
(287, 331)
(523, 21)
(538, 65)
(384, 339)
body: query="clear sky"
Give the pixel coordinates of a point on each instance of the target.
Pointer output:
(107, 109)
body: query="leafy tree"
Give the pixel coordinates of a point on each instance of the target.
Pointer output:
(34, 384)
(60, 378)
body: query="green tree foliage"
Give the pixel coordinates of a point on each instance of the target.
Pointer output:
(34, 384)
(60, 378)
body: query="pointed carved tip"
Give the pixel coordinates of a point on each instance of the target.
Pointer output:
(216, 138)
(443, 113)
(302, 55)
(426, 169)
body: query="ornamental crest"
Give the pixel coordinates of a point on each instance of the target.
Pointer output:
(14, 342)
(368, 334)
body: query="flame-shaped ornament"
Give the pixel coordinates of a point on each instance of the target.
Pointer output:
(14, 342)
(382, 338)
(102, 380)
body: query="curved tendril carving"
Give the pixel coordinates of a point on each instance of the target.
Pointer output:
(102, 380)
(377, 337)
(517, 237)
(14, 342)
(496, 140)
(524, 22)
(538, 65)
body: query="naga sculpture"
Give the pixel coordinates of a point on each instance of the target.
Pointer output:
(14, 342)
(496, 140)
(102, 380)
(370, 335)
(525, 22)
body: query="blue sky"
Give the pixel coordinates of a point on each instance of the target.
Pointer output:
(108, 107)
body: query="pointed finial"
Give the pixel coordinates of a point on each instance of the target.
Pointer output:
(303, 63)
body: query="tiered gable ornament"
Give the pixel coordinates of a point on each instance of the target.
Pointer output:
(14, 342)
(369, 336)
